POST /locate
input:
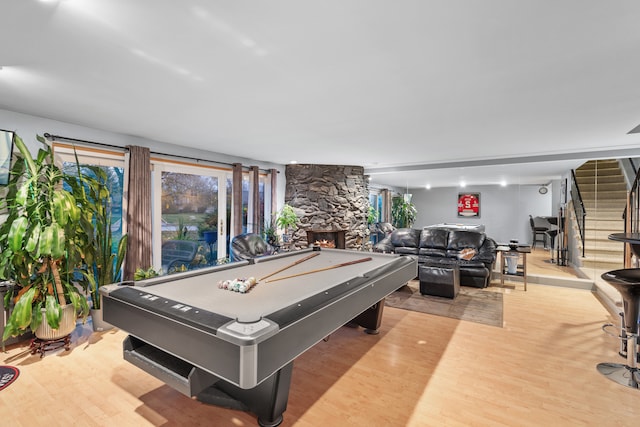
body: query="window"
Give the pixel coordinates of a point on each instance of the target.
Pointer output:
(191, 205)
(113, 164)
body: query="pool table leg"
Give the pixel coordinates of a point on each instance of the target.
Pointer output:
(267, 400)
(371, 318)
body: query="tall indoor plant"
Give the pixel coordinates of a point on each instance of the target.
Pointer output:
(40, 243)
(403, 212)
(101, 266)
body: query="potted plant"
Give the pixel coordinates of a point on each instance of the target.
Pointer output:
(372, 216)
(270, 235)
(102, 265)
(141, 274)
(40, 247)
(286, 219)
(208, 224)
(403, 212)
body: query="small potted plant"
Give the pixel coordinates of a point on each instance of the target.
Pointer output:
(270, 235)
(208, 228)
(40, 247)
(372, 216)
(287, 219)
(141, 274)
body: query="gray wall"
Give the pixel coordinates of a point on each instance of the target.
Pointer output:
(504, 211)
(27, 127)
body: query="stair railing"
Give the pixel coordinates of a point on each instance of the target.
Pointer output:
(578, 207)
(632, 221)
(631, 215)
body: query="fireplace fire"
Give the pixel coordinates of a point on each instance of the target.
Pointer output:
(327, 238)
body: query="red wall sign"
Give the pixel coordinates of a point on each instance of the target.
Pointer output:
(469, 204)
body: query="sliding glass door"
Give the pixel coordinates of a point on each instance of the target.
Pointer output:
(189, 216)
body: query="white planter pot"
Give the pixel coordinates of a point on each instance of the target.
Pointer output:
(67, 324)
(512, 263)
(99, 325)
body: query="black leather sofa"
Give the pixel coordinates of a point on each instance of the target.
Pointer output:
(472, 252)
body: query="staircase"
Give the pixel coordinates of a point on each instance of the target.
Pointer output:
(604, 193)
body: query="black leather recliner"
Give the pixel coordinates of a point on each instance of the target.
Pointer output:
(248, 246)
(383, 229)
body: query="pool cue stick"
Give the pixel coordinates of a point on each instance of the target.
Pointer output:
(344, 264)
(291, 265)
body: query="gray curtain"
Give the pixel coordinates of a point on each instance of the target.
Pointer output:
(274, 198)
(236, 199)
(138, 212)
(255, 194)
(386, 206)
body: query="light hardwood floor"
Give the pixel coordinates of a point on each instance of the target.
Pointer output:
(539, 262)
(539, 369)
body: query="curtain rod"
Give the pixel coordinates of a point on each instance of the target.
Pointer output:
(65, 138)
(102, 144)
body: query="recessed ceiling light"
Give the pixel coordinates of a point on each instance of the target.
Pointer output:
(293, 162)
(463, 184)
(503, 183)
(428, 186)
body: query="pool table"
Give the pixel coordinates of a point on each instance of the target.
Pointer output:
(237, 349)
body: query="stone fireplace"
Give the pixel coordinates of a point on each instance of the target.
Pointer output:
(332, 203)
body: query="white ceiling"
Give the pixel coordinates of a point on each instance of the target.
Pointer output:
(390, 85)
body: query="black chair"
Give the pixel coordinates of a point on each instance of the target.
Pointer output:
(537, 232)
(383, 229)
(249, 246)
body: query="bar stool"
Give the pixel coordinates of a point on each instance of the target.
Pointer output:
(551, 238)
(627, 282)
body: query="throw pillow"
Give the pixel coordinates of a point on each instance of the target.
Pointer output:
(467, 254)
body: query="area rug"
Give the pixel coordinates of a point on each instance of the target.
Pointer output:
(8, 374)
(471, 304)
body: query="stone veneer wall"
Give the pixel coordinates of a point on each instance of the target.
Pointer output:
(329, 197)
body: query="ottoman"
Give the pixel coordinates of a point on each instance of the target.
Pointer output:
(439, 281)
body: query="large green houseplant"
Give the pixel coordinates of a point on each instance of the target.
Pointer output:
(403, 212)
(101, 264)
(41, 243)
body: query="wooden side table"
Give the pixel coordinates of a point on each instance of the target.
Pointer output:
(521, 269)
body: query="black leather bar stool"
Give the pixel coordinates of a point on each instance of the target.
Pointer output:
(627, 282)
